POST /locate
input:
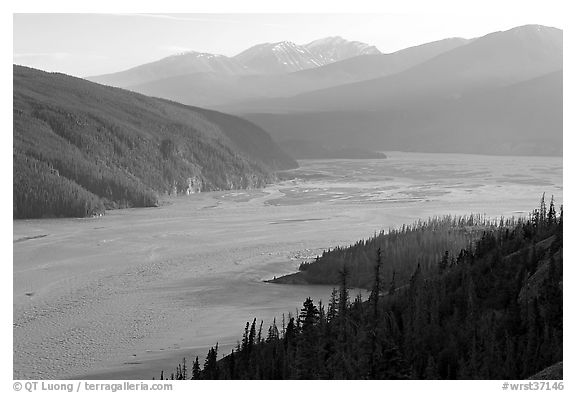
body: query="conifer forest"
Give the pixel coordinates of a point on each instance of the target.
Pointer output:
(491, 310)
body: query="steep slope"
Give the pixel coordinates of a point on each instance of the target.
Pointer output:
(92, 146)
(332, 49)
(430, 314)
(553, 372)
(228, 92)
(180, 64)
(521, 119)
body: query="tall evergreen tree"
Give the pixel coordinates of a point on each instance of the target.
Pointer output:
(196, 369)
(211, 369)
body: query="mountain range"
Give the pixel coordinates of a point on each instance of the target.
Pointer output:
(214, 89)
(495, 60)
(336, 94)
(443, 104)
(176, 65)
(279, 69)
(80, 147)
(268, 58)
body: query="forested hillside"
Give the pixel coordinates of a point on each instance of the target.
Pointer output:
(495, 312)
(423, 243)
(80, 148)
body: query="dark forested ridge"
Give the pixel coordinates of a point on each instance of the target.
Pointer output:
(422, 243)
(495, 312)
(80, 147)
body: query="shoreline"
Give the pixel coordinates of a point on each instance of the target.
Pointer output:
(190, 273)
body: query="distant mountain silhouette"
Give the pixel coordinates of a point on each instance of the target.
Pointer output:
(214, 89)
(268, 58)
(181, 64)
(372, 66)
(521, 119)
(495, 60)
(433, 97)
(447, 103)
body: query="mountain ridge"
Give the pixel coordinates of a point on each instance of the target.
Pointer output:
(445, 104)
(174, 65)
(266, 58)
(336, 48)
(477, 65)
(80, 147)
(522, 119)
(278, 57)
(217, 90)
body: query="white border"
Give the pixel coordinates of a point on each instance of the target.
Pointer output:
(438, 8)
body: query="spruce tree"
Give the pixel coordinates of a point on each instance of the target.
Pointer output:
(377, 287)
(196, 369)
(211, 364)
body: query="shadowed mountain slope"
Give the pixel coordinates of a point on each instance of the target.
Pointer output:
(499, 94)
(495, 60)
(80, 147)
(521, 119)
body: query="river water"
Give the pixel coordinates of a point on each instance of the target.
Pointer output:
(129, 294)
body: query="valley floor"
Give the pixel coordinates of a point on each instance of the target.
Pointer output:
(121, 295)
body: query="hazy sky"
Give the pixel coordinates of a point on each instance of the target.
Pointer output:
(92, 44)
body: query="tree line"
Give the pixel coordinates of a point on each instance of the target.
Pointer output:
(116, 166)
(492, 312)
(421, 243)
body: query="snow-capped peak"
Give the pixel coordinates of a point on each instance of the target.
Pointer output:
(286, 56)
(336, 48)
